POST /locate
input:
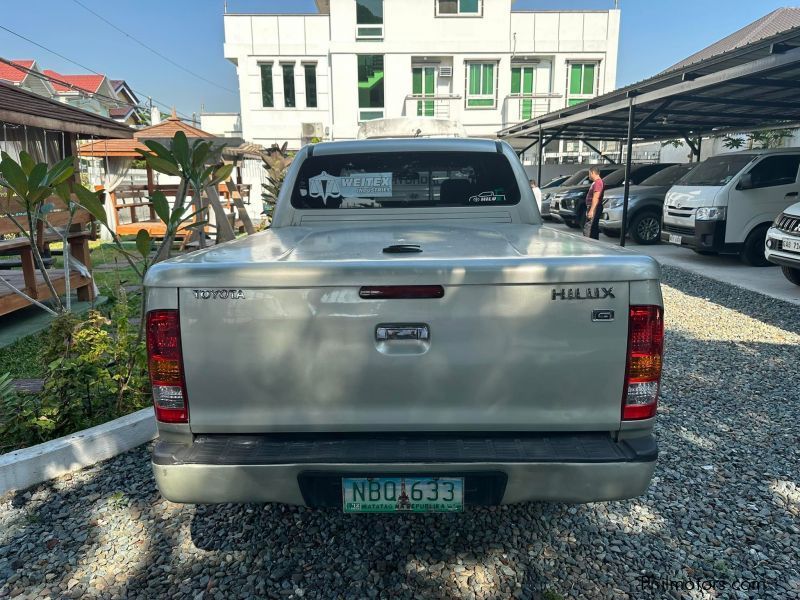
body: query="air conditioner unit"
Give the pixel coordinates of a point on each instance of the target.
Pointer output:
(310, 130)
(445, 71)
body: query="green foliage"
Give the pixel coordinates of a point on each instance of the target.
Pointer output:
(33, 183)
(21, 359)
(276, 164)
(770, 138)
(94, 371)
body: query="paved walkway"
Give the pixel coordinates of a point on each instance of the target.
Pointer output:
(728, 269)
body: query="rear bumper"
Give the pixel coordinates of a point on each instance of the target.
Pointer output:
(305, 471)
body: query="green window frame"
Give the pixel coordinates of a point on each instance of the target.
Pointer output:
(454, 8)
(582, 82)
(370, 87)
(481, 84)
(423, 83)
(523, 79)
(310, 73)
(289, 100)
(369, 19)
(267, 96)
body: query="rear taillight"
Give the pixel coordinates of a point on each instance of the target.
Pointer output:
(643, 369)
(166, 366)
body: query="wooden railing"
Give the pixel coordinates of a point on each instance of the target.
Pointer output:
(134, 211)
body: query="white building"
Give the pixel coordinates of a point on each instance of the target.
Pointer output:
(479, 62)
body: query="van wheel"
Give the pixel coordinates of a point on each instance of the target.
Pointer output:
(753, 251)
(792, 274)
(646, 228)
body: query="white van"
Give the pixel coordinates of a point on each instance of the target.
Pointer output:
(727, 204)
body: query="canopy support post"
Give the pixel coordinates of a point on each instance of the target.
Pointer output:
(602, 154)
(540, 151)
(629, 147)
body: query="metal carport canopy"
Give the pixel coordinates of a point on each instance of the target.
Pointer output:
(747, 88)
(752, 87)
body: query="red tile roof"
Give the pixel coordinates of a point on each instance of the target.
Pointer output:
(89, 83)
(10, 73)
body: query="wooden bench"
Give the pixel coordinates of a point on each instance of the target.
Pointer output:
(28, 278)
(134, 211)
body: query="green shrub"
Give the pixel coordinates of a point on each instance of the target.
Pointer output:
(94, 369)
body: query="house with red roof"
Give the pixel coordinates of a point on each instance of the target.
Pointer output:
(25, 73)
(112, 98)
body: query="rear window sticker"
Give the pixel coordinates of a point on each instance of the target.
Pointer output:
(373, 185)
(487, 197)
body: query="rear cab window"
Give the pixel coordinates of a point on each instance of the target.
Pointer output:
(405, 179)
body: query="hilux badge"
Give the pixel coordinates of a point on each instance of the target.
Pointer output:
(597, 293)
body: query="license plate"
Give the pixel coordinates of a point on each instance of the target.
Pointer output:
(792, 245)
(675, 239)
(402, 494)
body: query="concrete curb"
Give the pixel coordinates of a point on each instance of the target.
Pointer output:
(23, 468)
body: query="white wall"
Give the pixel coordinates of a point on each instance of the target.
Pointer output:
(221, 124)
(412, 31)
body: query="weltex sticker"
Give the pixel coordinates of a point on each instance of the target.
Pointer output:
(371, 185)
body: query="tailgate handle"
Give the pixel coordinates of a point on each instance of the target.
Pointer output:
(388, 333)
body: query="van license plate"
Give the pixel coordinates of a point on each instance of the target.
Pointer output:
(675, 239)
(402, 494)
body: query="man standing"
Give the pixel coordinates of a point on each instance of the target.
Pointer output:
(537, 193)
(594, 205)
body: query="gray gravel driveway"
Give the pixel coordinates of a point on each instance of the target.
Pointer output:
(724, 508)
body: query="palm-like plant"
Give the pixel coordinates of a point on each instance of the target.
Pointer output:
(276, 163)
(32, 184)
(200, 168)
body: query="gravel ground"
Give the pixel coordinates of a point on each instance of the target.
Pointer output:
(724, 506)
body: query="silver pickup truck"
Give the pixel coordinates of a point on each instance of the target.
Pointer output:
(405, 338)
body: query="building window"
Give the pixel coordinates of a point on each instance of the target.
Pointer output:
(311, 85)
(458, 7)
(267, 100)
(522, 85)
(423, 83)
(582, 83)
(369, 19)
(288, 86)
(481, 84)
(370, 87)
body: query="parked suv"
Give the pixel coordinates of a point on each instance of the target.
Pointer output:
(571, 203)
(727, 204)
(572, 190)
(783, 243)
(547, 194)
(645, 204)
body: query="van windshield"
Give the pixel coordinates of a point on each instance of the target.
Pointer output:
(405, 179)
(716, 171)
(669, 175)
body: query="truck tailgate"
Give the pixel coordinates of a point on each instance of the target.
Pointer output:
(497, 358)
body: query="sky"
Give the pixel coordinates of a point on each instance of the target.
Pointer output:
(655, 34)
